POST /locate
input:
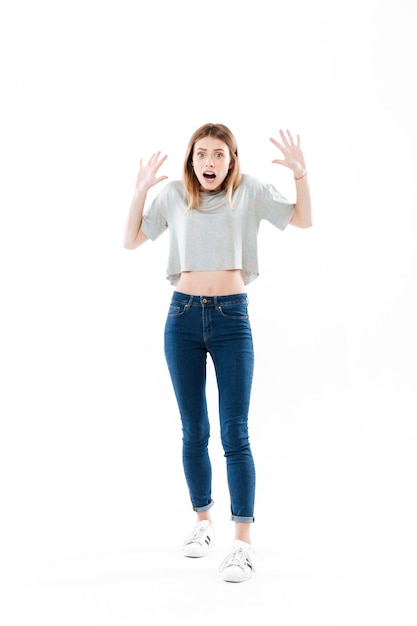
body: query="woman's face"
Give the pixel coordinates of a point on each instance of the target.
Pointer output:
(211, 163)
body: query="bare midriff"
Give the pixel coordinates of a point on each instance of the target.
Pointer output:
(218, 283)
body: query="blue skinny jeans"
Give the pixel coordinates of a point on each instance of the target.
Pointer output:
(218, 326)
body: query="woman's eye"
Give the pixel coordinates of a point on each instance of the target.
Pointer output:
(219, 155)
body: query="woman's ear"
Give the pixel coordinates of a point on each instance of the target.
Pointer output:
(232, 162)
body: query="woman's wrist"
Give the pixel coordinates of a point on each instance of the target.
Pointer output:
(301, 176)
(141, 189)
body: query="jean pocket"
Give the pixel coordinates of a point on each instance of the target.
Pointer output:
(235, 311)
(176, 309)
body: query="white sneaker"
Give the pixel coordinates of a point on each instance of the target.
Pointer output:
(238, 566)
(200, 540)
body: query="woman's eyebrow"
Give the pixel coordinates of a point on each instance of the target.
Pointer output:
(205, 150)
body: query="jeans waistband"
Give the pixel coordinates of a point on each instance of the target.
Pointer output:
(237, 298)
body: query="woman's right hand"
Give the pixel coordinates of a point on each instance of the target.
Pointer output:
(147, 177)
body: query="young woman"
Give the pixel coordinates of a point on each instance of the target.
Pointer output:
(213, 216)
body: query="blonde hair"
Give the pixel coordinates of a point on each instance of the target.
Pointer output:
(233, 178)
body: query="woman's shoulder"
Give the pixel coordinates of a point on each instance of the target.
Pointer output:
(171, 188)
(250, 187)
(250, 182)
(170, 196)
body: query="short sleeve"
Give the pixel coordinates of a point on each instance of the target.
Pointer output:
(154, 222)
(276, 208)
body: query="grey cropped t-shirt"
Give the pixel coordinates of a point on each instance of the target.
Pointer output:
(216, 236)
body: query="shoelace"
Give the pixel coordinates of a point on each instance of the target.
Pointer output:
(240, 557)
(197, 536)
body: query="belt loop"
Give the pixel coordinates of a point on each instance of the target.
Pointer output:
(190, 301)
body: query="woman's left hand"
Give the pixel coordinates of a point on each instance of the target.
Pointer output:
(293, 155)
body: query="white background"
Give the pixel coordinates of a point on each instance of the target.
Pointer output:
(93, 502)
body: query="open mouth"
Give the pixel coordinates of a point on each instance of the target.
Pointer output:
(209, 175)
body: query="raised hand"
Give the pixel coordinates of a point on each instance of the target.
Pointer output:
(293, 155)
(147, 177)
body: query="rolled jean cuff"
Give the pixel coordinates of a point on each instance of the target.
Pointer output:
(242, 520)
(202, 509)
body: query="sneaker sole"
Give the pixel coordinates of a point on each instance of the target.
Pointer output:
(238, 578)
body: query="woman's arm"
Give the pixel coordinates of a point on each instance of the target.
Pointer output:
(294, 159)
(146, 179)
(303, 215)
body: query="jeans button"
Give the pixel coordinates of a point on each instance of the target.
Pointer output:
(204, 300)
